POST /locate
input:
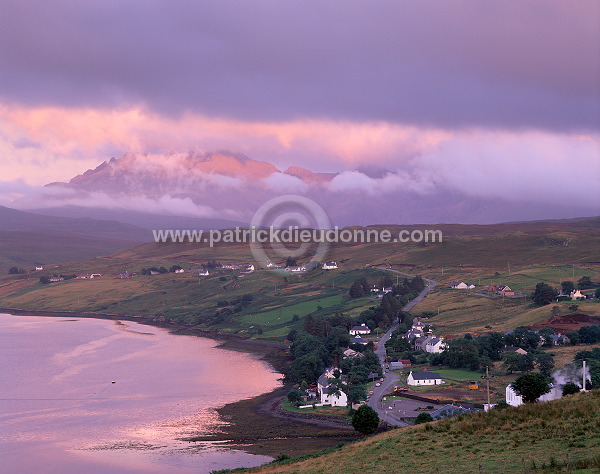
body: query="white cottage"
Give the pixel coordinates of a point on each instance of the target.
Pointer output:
(424, 378)
(362, 329)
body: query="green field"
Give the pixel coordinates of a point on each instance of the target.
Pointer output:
(458, 375)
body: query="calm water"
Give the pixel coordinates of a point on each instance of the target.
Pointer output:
(60, 411)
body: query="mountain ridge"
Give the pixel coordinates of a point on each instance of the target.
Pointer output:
(232, 186)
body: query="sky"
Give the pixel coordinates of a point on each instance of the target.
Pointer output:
(484, 98)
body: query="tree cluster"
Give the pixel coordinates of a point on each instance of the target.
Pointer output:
(585, 335)
(16, 271)
(148, 271)
(409, 288)
(586, 283)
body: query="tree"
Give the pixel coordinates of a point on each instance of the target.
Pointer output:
(355, 393)
(597, 294)
(544, 294)
(423, 418)
(357, 290)
(44, 279)
(365, 420)
(589, 334)
(570, 388)
(567, 287)
(390, 305)
(511, 361)
(290, 262)
(15, 271)
(358, 375)
(545, 362)
(573, 337)
(294, 396)
(585, 283)
(531, 386)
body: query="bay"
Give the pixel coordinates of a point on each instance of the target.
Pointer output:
(100, 396)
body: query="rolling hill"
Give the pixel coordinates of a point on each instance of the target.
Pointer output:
(29, 239)
(543, 251)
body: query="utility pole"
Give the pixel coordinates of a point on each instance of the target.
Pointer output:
(487, 382)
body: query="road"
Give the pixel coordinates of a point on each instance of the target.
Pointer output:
(389, 379)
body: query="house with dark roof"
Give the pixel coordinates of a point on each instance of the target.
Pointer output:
(518, 350)
(424, 378)
(362, 329)
(450, 411)
(358, 340)
(504, 290)
(559, 339)
(435, 345)
(421, 342)
(413, 333)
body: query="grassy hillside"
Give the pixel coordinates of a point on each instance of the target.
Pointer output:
(550, 252)
(26, 249)
(533, 438)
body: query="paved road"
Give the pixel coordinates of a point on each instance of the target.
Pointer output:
(390, 378)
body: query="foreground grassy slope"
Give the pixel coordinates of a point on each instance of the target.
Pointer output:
(522, 439)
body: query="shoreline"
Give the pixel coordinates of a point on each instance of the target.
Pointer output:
(271, 352)
(257, 425)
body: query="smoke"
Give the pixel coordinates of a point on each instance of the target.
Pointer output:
(571, 373)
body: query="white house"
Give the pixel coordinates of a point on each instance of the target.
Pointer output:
(461, 285)
(424, 378)
(203, 273)
(180, 270)
(515, 400)
(362, 329)
(295, 269)
(577, 295)
(330, 266)
(435, 345)
(38, 268)
(338, 400)
(248, 268)
(327, 398)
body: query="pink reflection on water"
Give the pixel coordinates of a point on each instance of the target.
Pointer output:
(60, 411)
